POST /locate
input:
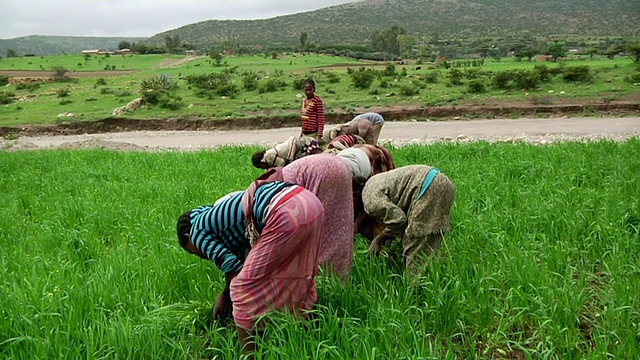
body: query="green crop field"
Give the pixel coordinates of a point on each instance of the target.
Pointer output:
(269, 86)
(542, 261)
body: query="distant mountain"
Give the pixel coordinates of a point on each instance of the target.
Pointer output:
(42, 45)
(355, 22)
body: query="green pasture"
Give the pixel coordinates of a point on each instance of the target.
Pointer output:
(276, 92)
(542, 261)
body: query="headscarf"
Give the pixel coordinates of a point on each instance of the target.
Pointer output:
(358, 162)
(381, 160)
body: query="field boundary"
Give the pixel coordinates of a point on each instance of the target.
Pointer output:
(443, 113)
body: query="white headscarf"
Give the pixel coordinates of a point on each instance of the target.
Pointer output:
(358, 162)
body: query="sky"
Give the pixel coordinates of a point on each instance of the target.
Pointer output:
(134, 18)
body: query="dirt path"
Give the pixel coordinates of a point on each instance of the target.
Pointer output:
(399, 133)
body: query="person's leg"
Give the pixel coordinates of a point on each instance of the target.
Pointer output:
(417, 251)
(279, 272)
(376, 133)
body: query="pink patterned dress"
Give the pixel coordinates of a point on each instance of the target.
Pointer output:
(330, 179)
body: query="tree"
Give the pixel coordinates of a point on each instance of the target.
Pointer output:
(591, 51)
(124, 45)
(387, 40)
(557, 50)
(172, 43)
(634, 52)
(529, 52)
(405, 44)
(11, 53)
(303, 40)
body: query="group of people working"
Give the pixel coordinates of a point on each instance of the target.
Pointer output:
(302, 214)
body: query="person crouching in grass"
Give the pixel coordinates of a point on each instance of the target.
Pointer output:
(414, 202)
(266, 241)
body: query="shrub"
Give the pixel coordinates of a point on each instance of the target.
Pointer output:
(63, 92)
(389, 70)
(431, 77)
(525, 79)
(455, 76)
(220, 84)
(152, 89)
(65, 101)
(409, 90)
(576, 74)
(101, 82)
(4, 80)
(270, 85)
(28, 86)
(297, 84)
(362, 78)
(250, 81)
(332, 78)
(542, 73)
(5, 98)
(501, 79)
(476, 86)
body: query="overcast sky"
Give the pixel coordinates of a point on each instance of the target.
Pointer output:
(134, 18)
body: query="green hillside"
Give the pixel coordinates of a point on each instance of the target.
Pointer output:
(42, 45)
(354, 23)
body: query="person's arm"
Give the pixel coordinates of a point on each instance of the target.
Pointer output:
(378, 242)
(320, 120)
(378, 205)
(223, 307)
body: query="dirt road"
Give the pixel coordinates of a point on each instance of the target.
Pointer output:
(530, 130)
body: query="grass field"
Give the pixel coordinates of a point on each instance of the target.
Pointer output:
(542, 261)
(274, 94)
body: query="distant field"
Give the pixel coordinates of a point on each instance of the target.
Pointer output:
(275, 89)
(542, 261)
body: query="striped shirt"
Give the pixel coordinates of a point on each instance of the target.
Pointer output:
(346, 140)
(312, 115)
(218, 230)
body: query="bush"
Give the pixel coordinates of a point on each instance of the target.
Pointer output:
(389, 70)
(362, 78)
(576, 74)
(65, 101)
(154, 88)
(297, 84)
(431, 77)
(271, 85)
(101, 82)
(525, 79)
(28, 86)
(5, 98)
(409, 90)
(4, 80)
(542, 73)
(455, 76)
(476, 86)
(501, 79)
(220, 84)
(332, 78)
(64, 92)
(250, 81)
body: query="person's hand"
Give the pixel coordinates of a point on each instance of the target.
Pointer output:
(223, 307)
(319, 139)
(375, 248)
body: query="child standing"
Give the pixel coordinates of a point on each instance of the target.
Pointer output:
(312, 113)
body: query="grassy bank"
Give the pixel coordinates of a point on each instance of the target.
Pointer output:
(257, 86)
(542, 260)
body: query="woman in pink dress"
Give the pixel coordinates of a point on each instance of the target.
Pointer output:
(330, 179)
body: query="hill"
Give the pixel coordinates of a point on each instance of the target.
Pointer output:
(354, 23)
(42, 45)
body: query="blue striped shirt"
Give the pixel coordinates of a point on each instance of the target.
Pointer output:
(218, 230)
